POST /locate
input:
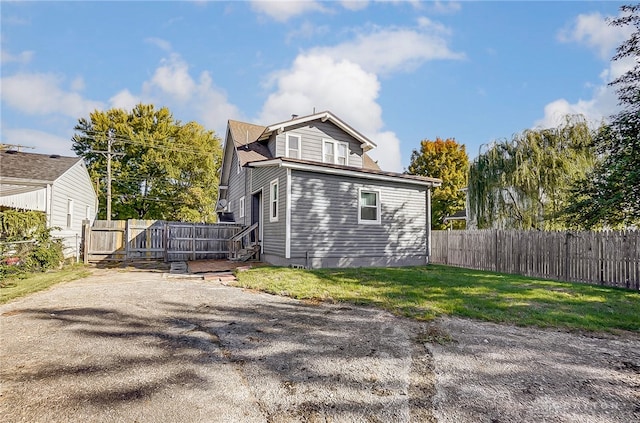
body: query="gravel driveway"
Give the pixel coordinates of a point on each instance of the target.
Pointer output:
(124, 346)
(134, 347)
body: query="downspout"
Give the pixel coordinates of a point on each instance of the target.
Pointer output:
(287, 223)
(48, 203)
(428, 223)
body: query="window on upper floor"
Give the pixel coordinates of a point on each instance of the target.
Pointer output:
(273, 201)
(336, 152)
(293, 146)
(369, 206)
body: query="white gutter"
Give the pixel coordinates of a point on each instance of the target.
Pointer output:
(342, 172)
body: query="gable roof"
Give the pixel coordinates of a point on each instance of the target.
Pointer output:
(367, 144)
(247, 137)
(34, 167)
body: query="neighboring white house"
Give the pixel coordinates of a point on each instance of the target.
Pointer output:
(56, 185)
(318, 199)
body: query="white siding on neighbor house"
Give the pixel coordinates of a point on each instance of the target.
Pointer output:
(312, 134)
(325, 228)
(273, 233)
(237, 190)
(33, 200)
(74, 185)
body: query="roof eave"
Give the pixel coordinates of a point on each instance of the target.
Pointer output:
(278, 162)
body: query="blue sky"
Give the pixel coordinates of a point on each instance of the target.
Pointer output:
(397, 71)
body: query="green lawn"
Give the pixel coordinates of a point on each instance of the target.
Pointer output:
(430, 291)
(18, 287)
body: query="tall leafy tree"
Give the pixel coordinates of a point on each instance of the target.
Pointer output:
(610, 195)
(161, 168)
(525, 182)
(447, 160)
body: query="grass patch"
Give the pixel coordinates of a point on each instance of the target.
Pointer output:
(15, 287)
(429, 291)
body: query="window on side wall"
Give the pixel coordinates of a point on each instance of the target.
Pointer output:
(336, 152)
(273, 202)
(293, 146)
(69, 213)
(241, 207)
(369, 206)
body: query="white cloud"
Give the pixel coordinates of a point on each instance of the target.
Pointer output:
(594, 31)
(22, 57)
(42, 142)
(283, 10)
(173, 85)
(324, 83)
(389, 50)
(602, 104)
(446, 7)
(354, 4)
(124, 100)
(172, 78)
(160, 43)
(41, 94)
(307, 30)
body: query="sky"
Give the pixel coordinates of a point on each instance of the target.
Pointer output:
(397, 71)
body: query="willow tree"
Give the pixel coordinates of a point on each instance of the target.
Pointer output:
(161, 168)
(447, 160)
(525, 182)
(610, 195)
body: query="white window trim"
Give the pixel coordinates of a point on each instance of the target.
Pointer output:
(273, 218)
(335, 144)
(378, 204)
(241, 207)
(286, 151)
(69, 213)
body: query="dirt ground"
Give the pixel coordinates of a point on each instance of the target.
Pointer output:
(124, 346)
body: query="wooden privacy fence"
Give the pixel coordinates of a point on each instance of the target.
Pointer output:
(609, 258)
(121, 240)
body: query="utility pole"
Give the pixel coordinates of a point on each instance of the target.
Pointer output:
(109, 154)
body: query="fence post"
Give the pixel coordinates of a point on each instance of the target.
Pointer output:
(193, 242)
(86, 241)
(566, 255)
(127, 234)
(165, 241)
(496, 259)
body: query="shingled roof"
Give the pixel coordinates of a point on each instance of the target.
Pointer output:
(32, 166)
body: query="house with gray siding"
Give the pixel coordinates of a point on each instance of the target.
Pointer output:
(318, 198)
(56, 185)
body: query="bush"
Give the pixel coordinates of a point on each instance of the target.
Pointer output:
(26, 244)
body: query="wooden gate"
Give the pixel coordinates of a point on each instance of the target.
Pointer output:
(120, 240)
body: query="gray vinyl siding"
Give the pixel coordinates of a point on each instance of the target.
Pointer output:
(312, 134)
(75, 185)
(237, 190)
(324, 223)
(273, 233)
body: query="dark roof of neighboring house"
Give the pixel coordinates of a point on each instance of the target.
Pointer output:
(39, 167)
(319, 166)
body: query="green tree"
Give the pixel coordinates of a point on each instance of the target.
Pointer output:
(609, 196)
(447, 160)
(162, 169)
(525, 182)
